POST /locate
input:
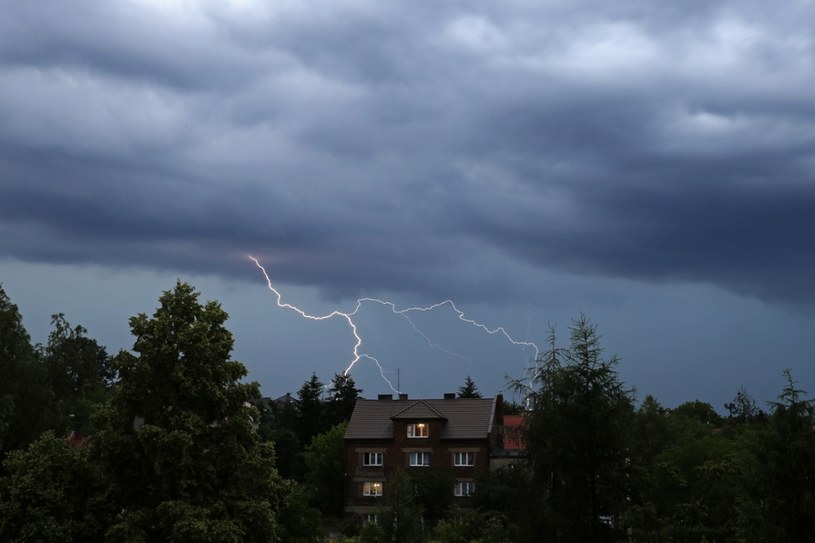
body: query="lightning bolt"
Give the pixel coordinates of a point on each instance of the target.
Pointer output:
(404, 313)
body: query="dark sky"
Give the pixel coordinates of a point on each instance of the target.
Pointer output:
(651, 165)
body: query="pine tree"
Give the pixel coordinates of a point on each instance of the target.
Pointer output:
(310, 420)
(788, 454)
(342, 397)
(576, 439)
(469, 389)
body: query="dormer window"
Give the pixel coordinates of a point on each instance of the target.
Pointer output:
(418, 429)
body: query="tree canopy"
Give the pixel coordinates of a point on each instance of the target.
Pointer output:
(177, 437)
(576, 437)
(469, 389)
(341, 399)
(25, 398)
(53, 492)
(177, 450)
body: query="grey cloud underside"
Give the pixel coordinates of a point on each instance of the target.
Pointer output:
(360, 148)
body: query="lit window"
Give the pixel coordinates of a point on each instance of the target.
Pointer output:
(464, 459)
(372, 459)
(371, 488)
(370, 518)
(419, 459)
(417, 430)
(464, 488)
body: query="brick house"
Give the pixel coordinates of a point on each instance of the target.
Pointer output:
(456, 434)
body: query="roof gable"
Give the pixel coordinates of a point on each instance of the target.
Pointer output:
(418, 410)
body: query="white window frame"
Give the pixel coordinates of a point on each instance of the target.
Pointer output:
(464, 459)
(464, 489)
(372, 488)
(419, 459)
(419, 430)
(372, 459)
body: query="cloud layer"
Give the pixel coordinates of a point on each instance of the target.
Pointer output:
(434, 149)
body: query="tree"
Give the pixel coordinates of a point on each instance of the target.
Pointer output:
(701, 411)
(310, 409)
(576, 438)
(325, 460)
(75, 362)
(177, 439)
(342, 397)
(508, 490)
(400, 516)
(743, 408)
(469, 389)
(25, 399)
(650, 432)
(277, 425)
(784, 500)
(432, 489)
(689, 476)
(471, 525)
(79, 373)
(650, 436)
(298, 521)
(53, 492)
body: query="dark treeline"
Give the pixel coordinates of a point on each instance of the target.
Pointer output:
(169, 442)
(162, 443)
(601, 468)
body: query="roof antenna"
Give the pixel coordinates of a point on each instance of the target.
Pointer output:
(398, 381)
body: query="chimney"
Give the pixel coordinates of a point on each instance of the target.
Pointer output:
(385, 397)
(449, 395)
(403, 396)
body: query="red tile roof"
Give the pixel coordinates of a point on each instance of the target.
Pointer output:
(513, 437)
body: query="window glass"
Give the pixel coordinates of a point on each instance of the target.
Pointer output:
(464, 488)
(372, 459)
(419, 429)
(372, 488)
(464, 459)
(419, 459)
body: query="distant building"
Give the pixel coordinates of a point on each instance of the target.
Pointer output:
(266, 402)
(457, 434)
(511, 445)
(286, 399)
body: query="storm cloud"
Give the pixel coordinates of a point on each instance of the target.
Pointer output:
(652, 164)
(403, 146)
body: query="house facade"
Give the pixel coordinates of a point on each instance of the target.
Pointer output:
(454, 434)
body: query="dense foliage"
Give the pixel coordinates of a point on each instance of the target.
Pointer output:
(168, 442)
(173, 454)
(576, 437)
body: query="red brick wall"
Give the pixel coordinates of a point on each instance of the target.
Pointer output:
(395, 456)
